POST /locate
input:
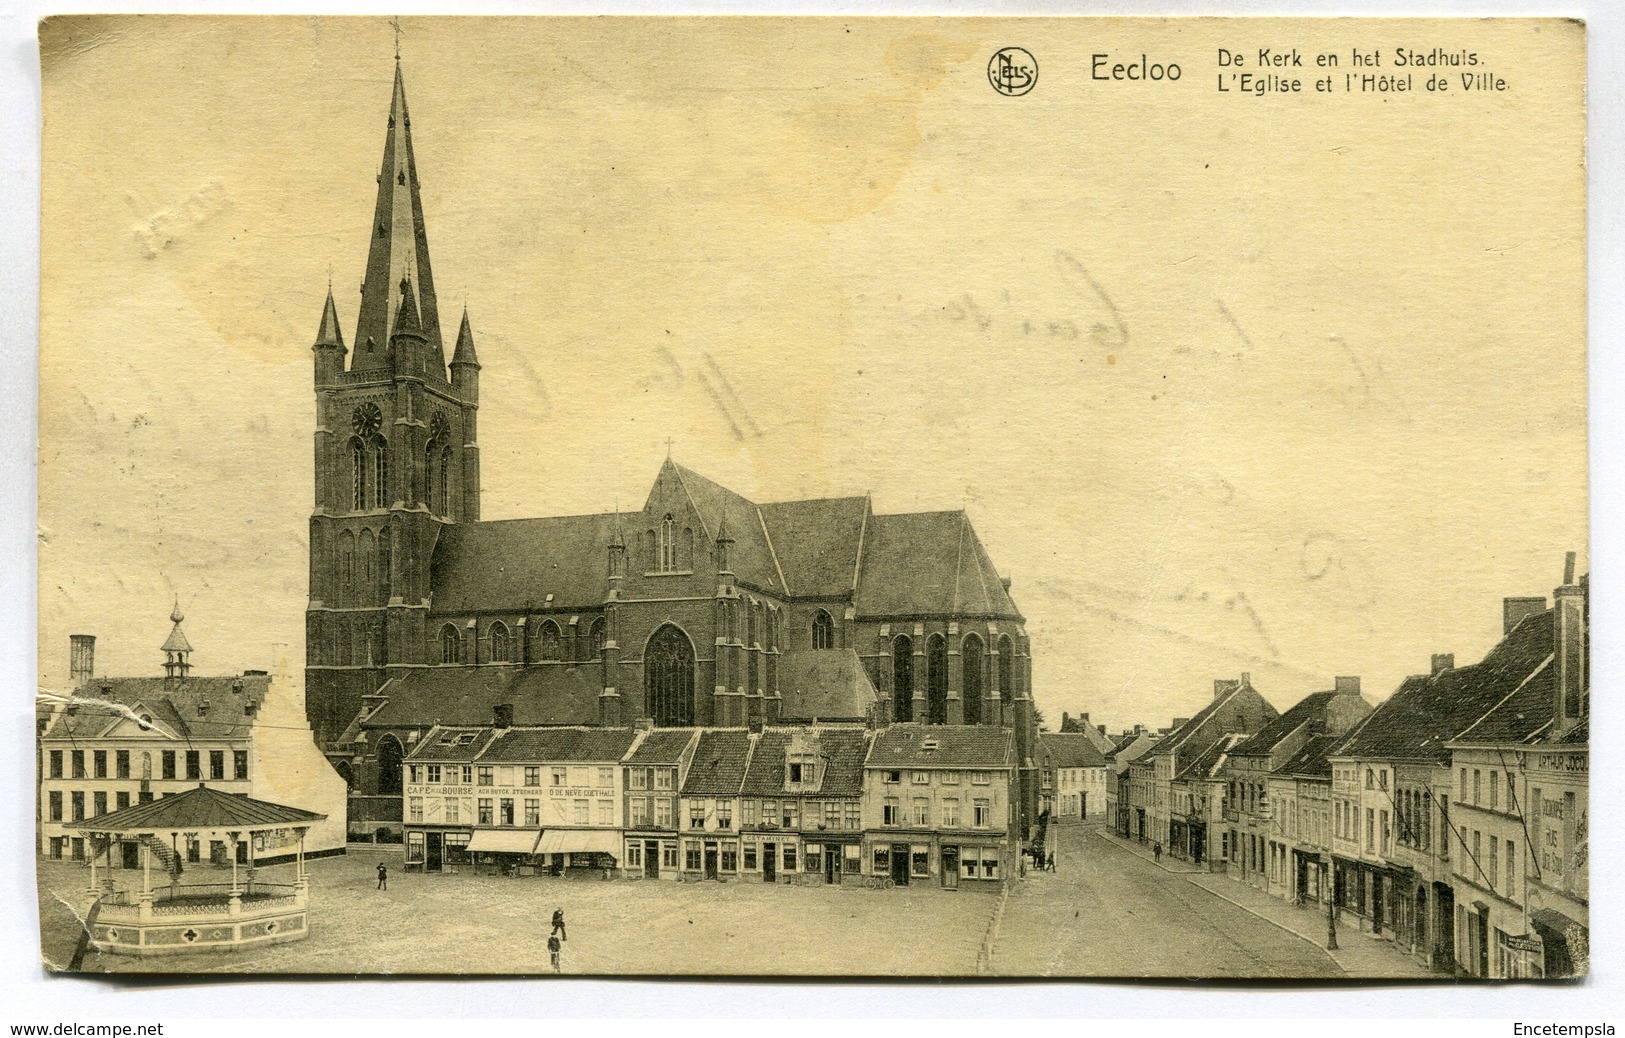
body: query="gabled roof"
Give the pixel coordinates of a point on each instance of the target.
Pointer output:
(930, 564)
(817, 543)
(1306, 711)
(177, 705)
(562, 745)
(1235, 708)
(661, 746)
(1208, 763)
(1526, 715)
(1071, 750)
(550, 694)
(719, 763)
(942, 746)
(516, 563)
(824, 683)
(1427, 711)
(1312, 759)
(201, 808)
(751, 559)
(841, 750)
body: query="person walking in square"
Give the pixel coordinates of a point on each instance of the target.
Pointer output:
(553, 951)
(1156, 850)
(558, 924)
(383, 877)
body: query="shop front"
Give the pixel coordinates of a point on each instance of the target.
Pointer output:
(504, 852)
(565, 852)
(650, 856)
(438, 850)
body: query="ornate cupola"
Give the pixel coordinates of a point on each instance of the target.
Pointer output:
(177, 650)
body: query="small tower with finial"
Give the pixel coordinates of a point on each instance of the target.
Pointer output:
(177, 650)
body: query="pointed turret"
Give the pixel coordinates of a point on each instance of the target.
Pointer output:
(407, 321)
(329, 346)
(465, 366)
(725, 540)
(617, 555)
(400, 246)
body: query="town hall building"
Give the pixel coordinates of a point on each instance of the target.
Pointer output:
(702, 609)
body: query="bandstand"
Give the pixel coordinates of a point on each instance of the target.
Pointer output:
(177, 917)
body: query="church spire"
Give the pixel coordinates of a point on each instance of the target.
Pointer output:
(329, 333)
(400, 246)
(464, 354)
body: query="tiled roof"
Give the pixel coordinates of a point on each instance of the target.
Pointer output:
(200, 808)
(1071, 750)
(516, 563)
(661, 746)
(456, 744)
(1305, 711)
(1238, 708)
(1311, 760)
(841, 749)
(928, 563)
(719, 763)
(1428, 711)
(817, 543)
(751, 558)
(546, 745)
(174, 703)
(824, 683)
(547, 694)
(956, 746)
(1207, 763)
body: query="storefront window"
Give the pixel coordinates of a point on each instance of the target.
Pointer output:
(691, 856)
(882, 860)
(815, 858)
(920, 861)
(414, 848)
(853, 859)
(730, 856)
(750, 857)
(789, 857)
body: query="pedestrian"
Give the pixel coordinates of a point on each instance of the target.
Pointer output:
(383, 877)
(553, 951)
(558, 924)
(1049, 863)
(1156, 851)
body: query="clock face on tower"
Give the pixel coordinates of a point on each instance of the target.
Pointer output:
(365, 420)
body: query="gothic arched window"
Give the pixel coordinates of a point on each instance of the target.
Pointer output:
(668, 545)
(346, 594)
(752, 647)
(1007, 654)
(551, 650)
(383, 565)
(902, 682)
(390, 758)
(823, 630)
(451, 644)
(380, 473)
(342, 649)
(431, 498)
(687, 559)
(936, 680)
(501, 652)
(366, 559)
(358, 475)
(599, 638)
(668, 677)
(973, 668)
(445, 481)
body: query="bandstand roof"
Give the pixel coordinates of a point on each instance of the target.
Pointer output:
(198, 809)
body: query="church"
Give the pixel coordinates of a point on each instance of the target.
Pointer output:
(703, 609)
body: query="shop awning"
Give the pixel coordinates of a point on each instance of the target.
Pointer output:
(504, 841)
(581, 841)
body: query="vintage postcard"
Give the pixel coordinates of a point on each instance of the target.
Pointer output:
(814, 497)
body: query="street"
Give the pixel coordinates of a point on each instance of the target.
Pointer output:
(1108, 912)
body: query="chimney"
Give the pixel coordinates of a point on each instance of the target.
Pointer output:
(1346, 686)
(1100, 728)
(81, 659)
(1572, 644)
(502, 716)
(1246, 680)
(1443, 661)
(1515, 609)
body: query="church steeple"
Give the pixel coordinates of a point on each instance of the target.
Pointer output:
(400, 247)
(177, 650)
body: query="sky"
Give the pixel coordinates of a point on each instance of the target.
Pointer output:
(1291, 386)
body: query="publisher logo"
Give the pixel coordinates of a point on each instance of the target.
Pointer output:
(1012, 71)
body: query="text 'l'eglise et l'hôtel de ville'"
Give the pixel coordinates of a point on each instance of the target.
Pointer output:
(703, 609)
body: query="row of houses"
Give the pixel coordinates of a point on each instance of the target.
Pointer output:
(839, 804)
(1451, 819)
